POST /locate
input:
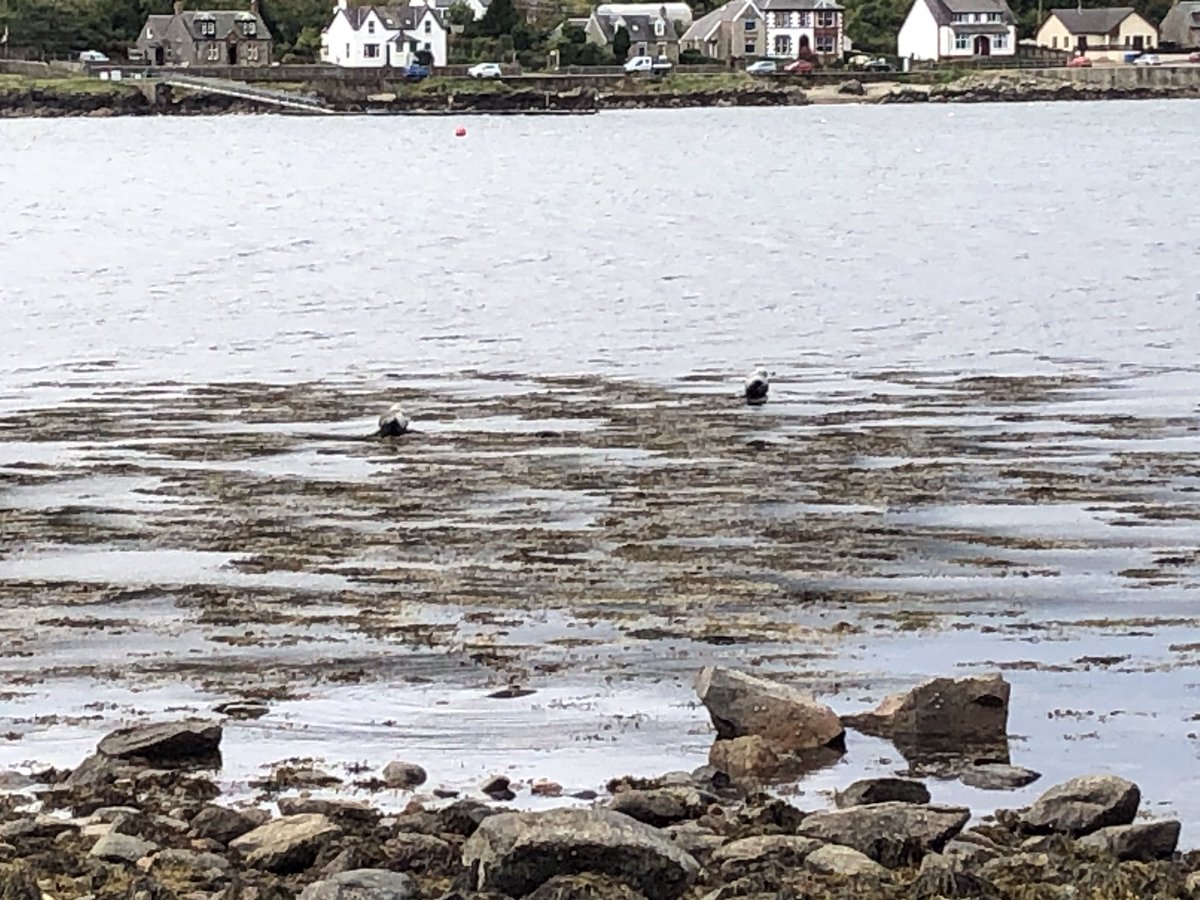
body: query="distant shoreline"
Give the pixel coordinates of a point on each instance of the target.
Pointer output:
(73, 99)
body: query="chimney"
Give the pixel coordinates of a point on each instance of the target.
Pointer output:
(254, 8)
(179, 7)
(343, 4)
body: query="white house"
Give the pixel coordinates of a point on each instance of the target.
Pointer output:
(478, 7)
(954, 29)
(797, 27)
(675, 12)
(382, 36)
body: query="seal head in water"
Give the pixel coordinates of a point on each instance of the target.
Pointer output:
(758, 383)
(394, 422)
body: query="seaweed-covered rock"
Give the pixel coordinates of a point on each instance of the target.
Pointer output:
(893, 834)
(882, 790)
(1083, 805)
(1142, 841)
(288, 844)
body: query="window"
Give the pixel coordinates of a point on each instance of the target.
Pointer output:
(249, 28)
(750, 25)
(782, 19)
(426, 46)
(962, 42)
(347, 51)
(824, 43)
(371, 27)
(959, 18)
(252, 53)
(660, 28)
(371, 51)
(826, 20)
(750, 49)
(1054, 42)
(803, 19)
(214, 53)
(1000, 42)
(428, 26)
(783, 45)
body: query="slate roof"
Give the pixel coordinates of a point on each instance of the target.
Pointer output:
(640, 28)
(1092, 21)
(703, 27)
(801, 5)
(944, 11)
(394, 18)
(227, 20)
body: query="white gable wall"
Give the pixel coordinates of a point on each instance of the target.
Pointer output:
(373, 45)
(919, 37)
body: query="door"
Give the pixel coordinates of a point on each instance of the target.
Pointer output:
(1139, 42)
(232, 54)
(159, 56)
(983, 45)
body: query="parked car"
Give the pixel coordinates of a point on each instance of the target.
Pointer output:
(877, 65)
(1195, 57)
(485, 70)
(1079, 62)
(1148, 59)
(799, 67)
(648, 64)
(92, 56)
(762, 67)
(416, 72)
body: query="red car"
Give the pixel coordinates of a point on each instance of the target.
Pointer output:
(1195, 57)
(799, 67)
(1080, 62)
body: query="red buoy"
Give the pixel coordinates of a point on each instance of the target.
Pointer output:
(460, 131)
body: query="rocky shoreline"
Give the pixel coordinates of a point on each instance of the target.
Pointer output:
(49, 102)
(141, 818)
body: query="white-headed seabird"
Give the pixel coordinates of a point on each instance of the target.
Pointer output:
(758, 383)
(394, 422)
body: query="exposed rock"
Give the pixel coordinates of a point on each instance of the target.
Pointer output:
(516, 852)
(222, 824)
(1083, 805)
(663, 806)
(404, 775)
(745, 757)
(14, 781)
(161, 742)
(35, 827)
(289, 844)
(545, 788)
(244, 710)
(942, 715)
(965, 854)
(114, 847)
(1143, 841)
(786, 850)
(764, 814)
(17, 882)
(189, 860)
(584, 887)
(95, 769)
(853, 87)
(697, 840)
(362, 884)
(789, 719)
(882, 790)
(832, 859)
(940, 877)
(338, 810)
(419, 853)
(997, 776)
(893, 834)
(498, 787)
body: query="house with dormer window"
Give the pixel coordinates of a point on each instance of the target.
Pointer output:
(958, 29)
(384, 36)
(650, 33)
(218, 37)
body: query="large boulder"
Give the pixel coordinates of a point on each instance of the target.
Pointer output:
(789, 719)
(833, 859)
(738, 857)
(161, 742)
(514, 853)
(222, 824)
(1083, 805)
(1144, 841)
(663, 806)
(942, 715)
(893, 834)
(114, 847)
(362, 884)
(285, 845)
(882, 790)
(997, 776)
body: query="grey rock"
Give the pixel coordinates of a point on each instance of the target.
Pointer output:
(736, 857)
(832, 859)
(789, 719)
(997, 776)
(940, 876)
(404, 775)
(969, 855)
(39, 826)
(498, 787)
(893, 834)
(113, 813)
(190, 860)
(882, 790)
(514, 853)
(950, 715)
(17, 882)
(1083, 805)
(853, 87)
(164, 741)
(662, 806)
(338, 810)
(1144, 841)
(222, 824)
(14, 781)
(362, 884)
(750, 756)
(286, 845)
(114, 847)
(584, 887)
(419, 853)
(694, 838)
(96, 769)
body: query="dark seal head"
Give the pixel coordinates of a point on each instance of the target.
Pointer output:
(758, 383)
(394, 422)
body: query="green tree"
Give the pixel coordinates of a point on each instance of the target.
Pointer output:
(593, 55)
(501, 17)
(620, 44)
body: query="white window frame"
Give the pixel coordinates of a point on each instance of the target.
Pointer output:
(962, 42)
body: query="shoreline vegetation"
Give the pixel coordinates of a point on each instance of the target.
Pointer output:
(74, 97)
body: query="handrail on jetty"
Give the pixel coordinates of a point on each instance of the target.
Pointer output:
(243, 91)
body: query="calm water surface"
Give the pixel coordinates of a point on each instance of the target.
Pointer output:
(837, 245)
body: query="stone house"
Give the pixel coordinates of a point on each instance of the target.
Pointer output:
(734, 31)
(219, 37)
(650, 34)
